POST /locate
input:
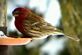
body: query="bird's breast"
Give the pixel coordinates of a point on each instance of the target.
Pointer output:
(19, 25)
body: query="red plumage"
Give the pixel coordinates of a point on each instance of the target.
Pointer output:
(31, 24)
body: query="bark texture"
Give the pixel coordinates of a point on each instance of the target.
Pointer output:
(3, 8)
(72, 23)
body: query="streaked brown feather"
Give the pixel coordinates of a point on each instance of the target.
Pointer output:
(36, 26)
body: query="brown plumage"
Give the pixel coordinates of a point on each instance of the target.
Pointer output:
(31, 24)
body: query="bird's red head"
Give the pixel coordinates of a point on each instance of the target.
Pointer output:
(20, 12)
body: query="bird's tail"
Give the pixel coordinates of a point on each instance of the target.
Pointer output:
(70, 37)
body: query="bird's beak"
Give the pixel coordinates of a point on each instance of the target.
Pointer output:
(15, 15)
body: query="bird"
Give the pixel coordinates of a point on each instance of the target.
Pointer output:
(31, 25)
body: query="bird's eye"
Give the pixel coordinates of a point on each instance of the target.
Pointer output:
(16, 12)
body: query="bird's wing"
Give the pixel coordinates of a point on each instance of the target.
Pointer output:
(31, 25)
(37, 26)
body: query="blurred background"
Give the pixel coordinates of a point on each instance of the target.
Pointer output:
(65, 15)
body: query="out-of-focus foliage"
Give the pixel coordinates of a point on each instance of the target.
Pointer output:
(72, 23)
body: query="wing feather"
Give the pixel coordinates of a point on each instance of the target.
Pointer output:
(36, 26)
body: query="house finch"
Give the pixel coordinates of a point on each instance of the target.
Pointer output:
(32, 25)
